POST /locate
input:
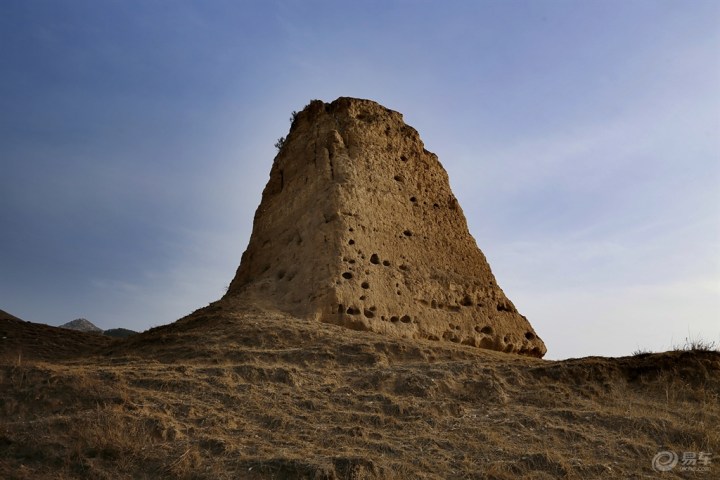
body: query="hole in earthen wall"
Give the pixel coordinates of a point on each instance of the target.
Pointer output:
(365, 285)
(368, 313)
(466, 301)
(530, 335)
(405, 319)
(351, 242)
(386, 263)
(407, 233)
(394, 319)
(347, 275)
(487, 330)
(374, 259)
(503, 307)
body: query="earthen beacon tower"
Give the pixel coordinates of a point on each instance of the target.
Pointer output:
(358, 227)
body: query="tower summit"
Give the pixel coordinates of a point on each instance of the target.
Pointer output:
(358, 227)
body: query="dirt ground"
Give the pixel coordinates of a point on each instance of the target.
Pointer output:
(244, 393)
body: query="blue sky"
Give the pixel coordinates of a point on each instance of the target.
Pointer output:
(582, 139)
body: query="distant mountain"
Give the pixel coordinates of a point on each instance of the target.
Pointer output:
(119, 332)
(82, 325)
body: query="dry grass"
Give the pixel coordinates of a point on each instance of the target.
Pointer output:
(259, 395)
(697, 344)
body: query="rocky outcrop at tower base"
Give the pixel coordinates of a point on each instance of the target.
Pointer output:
(358, 227)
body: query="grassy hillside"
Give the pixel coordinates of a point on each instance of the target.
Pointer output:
(250, 394)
